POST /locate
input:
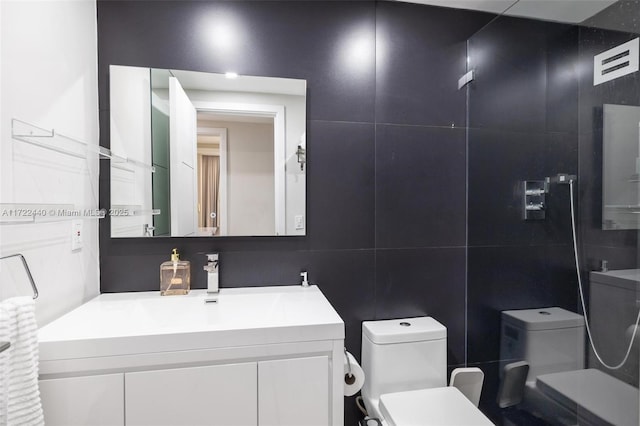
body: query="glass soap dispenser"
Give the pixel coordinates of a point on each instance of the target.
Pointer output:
(175, 276)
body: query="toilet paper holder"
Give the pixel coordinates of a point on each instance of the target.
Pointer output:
(349, 378)
(353, 374)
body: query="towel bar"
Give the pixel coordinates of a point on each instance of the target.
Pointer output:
(4, 346)
(26, 268)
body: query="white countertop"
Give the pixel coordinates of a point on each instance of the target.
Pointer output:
(145, 322)
(625, 278)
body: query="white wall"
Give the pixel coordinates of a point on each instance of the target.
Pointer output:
(48, 76)
(130, 124)
(251, 192)
(295, 125)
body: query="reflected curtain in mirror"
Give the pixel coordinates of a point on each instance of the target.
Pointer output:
(208, 191)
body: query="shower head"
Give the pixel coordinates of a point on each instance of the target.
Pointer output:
(561, 178)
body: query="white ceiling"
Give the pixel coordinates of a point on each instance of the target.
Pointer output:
(571, 11)
(192, 80)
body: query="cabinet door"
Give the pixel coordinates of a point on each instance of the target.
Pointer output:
(223, 395)
(89, 400)
(294, 392)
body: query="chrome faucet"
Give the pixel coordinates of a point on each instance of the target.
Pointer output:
(212, 278)
(305, 280)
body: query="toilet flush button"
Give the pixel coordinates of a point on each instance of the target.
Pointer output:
(405, 324)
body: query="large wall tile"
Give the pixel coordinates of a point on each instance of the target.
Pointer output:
(425, 282)
(420, 55)
(508, 58)
(622, 91)
(498, 163)
(504, 278)
(562, 80)
(340, 188)
(347, 279)
(514, 59)
(420, 186)
(330, 44)
(134, 264)
(617, 257)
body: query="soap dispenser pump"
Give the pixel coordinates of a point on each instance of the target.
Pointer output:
(175, 275)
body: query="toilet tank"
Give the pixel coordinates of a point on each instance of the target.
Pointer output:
(549, 339)
(403, 354)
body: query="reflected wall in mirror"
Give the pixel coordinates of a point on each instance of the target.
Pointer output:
(621, 167)
(207, 155)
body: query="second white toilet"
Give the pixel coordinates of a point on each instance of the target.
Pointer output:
(405, 367)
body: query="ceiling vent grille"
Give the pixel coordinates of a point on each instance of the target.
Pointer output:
(616, 62)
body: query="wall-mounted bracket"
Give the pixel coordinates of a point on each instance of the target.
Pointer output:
(466, 79)
(533, 196)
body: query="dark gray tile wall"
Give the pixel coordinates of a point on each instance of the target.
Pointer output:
(425, 281)
(618, 247)
(386, 191)
(420, 54)
(420, 211)
(393, 167)
(534, 112)
(623, 91)
(420, 186)
(341, 192)
(523, 109)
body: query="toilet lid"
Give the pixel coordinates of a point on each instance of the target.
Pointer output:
(600, 397)
(437, 406)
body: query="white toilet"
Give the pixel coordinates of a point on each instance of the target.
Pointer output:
(558, 389)
(405, 367)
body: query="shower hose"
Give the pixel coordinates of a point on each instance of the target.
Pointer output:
(584, 309)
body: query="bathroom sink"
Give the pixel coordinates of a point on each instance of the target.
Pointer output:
(144, 322)
(223, 363)
(625, 278)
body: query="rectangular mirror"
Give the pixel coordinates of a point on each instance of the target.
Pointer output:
(207, 154)
(621, 167)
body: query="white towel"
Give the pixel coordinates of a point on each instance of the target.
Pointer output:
(19, 394)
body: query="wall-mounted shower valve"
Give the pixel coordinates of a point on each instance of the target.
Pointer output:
(535, 192)
(534, 207)
(533, 199)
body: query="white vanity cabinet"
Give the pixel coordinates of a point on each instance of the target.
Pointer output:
(90, 400)
(262, 356)
(210, 395)
(294, 392)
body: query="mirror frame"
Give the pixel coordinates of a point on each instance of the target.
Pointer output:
(287, 153)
